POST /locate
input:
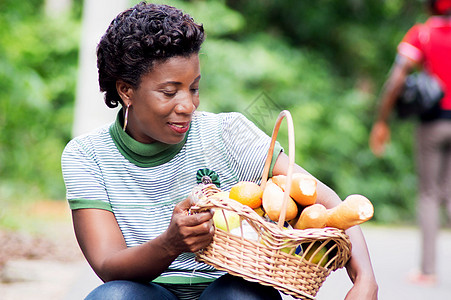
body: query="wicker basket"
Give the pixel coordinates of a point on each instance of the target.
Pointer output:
(272, 258)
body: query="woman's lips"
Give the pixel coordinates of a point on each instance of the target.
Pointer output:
(181, 127)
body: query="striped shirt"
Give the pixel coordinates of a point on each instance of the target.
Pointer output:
(141, 183)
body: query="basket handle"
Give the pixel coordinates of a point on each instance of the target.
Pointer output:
(283, 114)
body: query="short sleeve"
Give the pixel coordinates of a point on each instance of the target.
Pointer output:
(85, 186)
(410, 45)
(247, 146)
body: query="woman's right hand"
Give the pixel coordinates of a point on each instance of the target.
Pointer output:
(104, 247)
(188, 233)
(379, 137)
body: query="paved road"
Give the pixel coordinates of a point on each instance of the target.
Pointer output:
(394, 253)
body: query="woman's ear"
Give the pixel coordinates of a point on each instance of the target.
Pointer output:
(125, 91)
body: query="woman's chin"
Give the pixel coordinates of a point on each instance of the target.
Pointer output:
(173, 140)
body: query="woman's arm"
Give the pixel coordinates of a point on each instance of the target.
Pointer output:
(326, 195)
(104, 247)
(359, 266)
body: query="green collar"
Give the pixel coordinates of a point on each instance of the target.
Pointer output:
(142, 155)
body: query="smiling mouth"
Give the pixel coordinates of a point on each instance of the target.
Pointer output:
(179, 127)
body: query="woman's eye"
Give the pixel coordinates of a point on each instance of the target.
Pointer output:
(169, 93)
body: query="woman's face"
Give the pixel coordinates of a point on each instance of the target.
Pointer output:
(162, 106)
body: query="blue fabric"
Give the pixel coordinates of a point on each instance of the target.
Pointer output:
(227, 287)
(130, 290)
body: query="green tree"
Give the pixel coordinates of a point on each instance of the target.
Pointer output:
(38, 58)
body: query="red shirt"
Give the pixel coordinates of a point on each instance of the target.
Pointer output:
(430, 45)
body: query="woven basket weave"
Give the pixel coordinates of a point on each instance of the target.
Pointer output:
(270, 259)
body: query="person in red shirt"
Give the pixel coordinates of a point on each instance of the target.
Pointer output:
(426, 46)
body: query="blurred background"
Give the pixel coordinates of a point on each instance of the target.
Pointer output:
(324, 60)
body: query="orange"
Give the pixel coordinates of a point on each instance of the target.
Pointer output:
(247, 193)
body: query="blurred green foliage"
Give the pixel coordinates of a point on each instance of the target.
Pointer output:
(38, 68)
(324, 60)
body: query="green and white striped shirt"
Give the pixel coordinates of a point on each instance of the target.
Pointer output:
(141, 183)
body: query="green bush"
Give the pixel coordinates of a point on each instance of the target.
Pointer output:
(38, 58)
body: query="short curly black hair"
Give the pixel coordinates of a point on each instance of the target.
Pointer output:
(137, 38)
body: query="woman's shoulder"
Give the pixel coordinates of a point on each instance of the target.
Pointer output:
(96, 138)
(224, 117)
(228, 125)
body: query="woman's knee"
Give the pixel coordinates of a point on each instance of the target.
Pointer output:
(124, 290)
(232, 287)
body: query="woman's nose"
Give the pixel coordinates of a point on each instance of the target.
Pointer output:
(185, 105)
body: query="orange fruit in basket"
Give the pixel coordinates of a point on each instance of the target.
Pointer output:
(247, 193)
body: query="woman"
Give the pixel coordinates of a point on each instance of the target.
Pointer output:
(426, 46)
(127, 183)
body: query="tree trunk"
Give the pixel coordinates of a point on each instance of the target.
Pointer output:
(90, 108)
(57, 7)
